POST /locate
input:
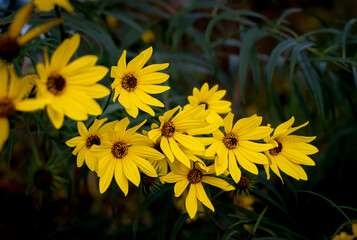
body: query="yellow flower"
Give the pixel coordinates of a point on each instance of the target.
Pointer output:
(171, 134)
(10, 42)
(48, 5)
(148, 36)
(73, 86)
(183, 176)
(12, 92)
(212, 100)
(236, 145)
(89, 137)
(133, 83)
(345, 236)
(289, 151)
(121, 154)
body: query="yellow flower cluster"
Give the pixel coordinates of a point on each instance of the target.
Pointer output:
(190, 146)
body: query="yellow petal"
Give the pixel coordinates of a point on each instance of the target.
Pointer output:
(152, 68)
(55, 116)
(64, 52)
(28, 105)
(245, 163)
(165, 147)
(189, 142)
(153, 89)
(106, 177)
(283, 127)
(217, 182)
(120, 178)
(202, 196)
(144, 166)
(20, 20)
(180, 186)
(228, 122)
(4, 134)
(173, 177)
(191, 201)
(74, 141)
(233, 167)
(139, 61)
(35, 32)
(131, 170)
(181, 156)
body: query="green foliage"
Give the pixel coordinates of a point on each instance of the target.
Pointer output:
(310, 75)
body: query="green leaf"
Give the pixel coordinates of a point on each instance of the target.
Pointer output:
(177, 226)
(296, 50)
(259, 219)
(145, 204)
(274, 57)
(287, 13)
(249, 38)
(329, 201)
(345, 32)
(354, 72)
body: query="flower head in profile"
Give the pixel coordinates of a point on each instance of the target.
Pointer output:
(172, 134)
(212, 100)
(89, 137)
(12, 98)
(48, 5)
(193, 177)
(289, 151)
(237, 146)
(11, 41)
(122, 154)
(133, 83)
(72, 87)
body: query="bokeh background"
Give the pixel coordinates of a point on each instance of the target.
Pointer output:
(62, 201)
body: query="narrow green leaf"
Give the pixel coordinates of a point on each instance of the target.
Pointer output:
(145, 204)
(329, 201)
(259, 219)
(178, 225)
(274, 57)
(249, 38)
(313, 81)
(287, 13)
(354, 72)
(296, 50)
(345, 33)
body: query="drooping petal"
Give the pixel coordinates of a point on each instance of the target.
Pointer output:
(191, 201)
(202, 196)
(217, 182)
(120, 178)
(55, 116)
(233, 167)
(131, 170)
(144, 166)
(106, 176)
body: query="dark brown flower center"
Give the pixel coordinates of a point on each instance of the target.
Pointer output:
(147, 180)
(168, 129)
(275, 151)
(129, 82)
(9, 47)
(120, 150)
(230, 140)
(94, 139)
(7, 107)
(55, 84)
(194, 176)
(244, 182)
